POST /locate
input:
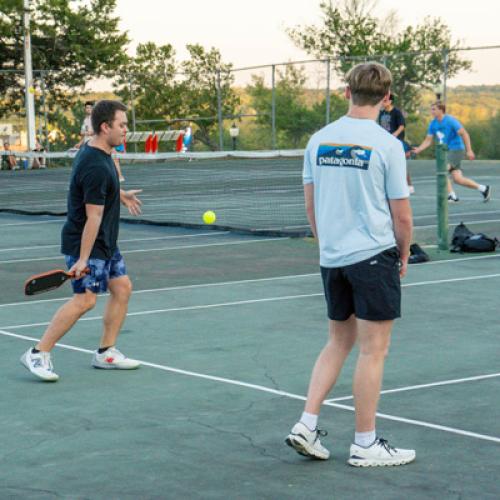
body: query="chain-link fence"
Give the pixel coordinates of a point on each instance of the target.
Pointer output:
(278, 106)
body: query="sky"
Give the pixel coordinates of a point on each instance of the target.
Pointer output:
(252, 32)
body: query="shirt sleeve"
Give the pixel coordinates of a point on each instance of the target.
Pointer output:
(400, 119)
(396, 186)
(456, 125)
(95, 186)
(430, 130)
(307, 174)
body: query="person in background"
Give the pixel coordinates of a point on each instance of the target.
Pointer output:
(86, 131)
(38, 162)
(9, 159)
(393, 120)
(448, 130)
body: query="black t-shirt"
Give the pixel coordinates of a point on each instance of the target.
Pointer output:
(94, 180)
(391, 121)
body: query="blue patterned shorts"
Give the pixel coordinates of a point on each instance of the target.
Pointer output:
(101, 271)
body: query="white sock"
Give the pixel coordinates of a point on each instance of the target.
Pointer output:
(365, 439)
(481, 188)
(309, 420)
(452, 194)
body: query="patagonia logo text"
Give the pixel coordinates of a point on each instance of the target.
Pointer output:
(343, 155)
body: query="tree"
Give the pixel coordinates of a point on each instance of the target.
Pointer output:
(203, 73)
(149, 79)
(350, 33)
(295, 121)
(179, 92)
(74, 41)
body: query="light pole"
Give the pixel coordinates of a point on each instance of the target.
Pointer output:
(234, 132)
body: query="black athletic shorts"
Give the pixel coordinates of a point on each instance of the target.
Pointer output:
(370, 289)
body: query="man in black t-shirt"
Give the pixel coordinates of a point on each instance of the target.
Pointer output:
(392, 120)
(89, 245)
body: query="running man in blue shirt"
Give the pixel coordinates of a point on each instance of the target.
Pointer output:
(357, 204)
(448, 130)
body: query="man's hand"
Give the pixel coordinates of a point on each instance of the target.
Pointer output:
(470, 155)
(79, 268)
(415, 151)
(130, 200)
(403, 267)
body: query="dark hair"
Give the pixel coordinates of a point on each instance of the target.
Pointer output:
(89, 103)
(104, 112)
(369, 83)
(440, 105)
(391, 97)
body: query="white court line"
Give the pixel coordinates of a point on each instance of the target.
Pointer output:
(278, 392)
(132, 240)
(245, 302)
(458, 215)
(31, 223)
(452, 223)
(172, 288)
(227, 283)
(423, 386)
(142, 250)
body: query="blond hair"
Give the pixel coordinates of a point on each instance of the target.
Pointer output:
(369, 83)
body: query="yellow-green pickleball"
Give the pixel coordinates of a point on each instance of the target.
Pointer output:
(209, 217)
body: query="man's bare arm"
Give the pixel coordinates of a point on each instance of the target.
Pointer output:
(309, 199)
(403, 228)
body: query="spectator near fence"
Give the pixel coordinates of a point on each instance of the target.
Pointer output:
(9, 160)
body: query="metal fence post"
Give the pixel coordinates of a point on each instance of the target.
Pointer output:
(46, 142)
(273, 107)
(442, 196)
(132, 108)
(327, 91)
(445, 72)
(219, 112)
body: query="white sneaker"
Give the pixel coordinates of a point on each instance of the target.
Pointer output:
(112, 358)
(40, 365)
(306, 442)
(380, 453)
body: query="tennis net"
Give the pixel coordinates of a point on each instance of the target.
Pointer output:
(253, 192)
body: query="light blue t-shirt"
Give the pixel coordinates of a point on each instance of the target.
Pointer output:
(446, 132)
(356, 167)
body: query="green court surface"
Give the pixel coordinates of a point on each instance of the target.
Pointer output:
(227, 327)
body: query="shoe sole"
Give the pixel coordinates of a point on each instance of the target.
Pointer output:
(303, 448)
(26, 365)
(108, 367)
(377, 463)
(487, 199)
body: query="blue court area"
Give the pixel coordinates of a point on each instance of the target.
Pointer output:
(227, 328)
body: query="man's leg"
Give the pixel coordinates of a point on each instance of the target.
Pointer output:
(368, 450)
(304, 436)
(37, 360)
(120, 290)
(108, 356)
(373, 339)
(459, 178)
(66, 316)
(329, 363)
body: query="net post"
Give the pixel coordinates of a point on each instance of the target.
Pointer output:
(273, 107)
(442, 196)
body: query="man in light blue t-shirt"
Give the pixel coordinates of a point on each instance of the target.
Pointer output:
(448, 130)
(357, 204)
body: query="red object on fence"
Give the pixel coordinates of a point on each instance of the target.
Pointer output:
(179, 143)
